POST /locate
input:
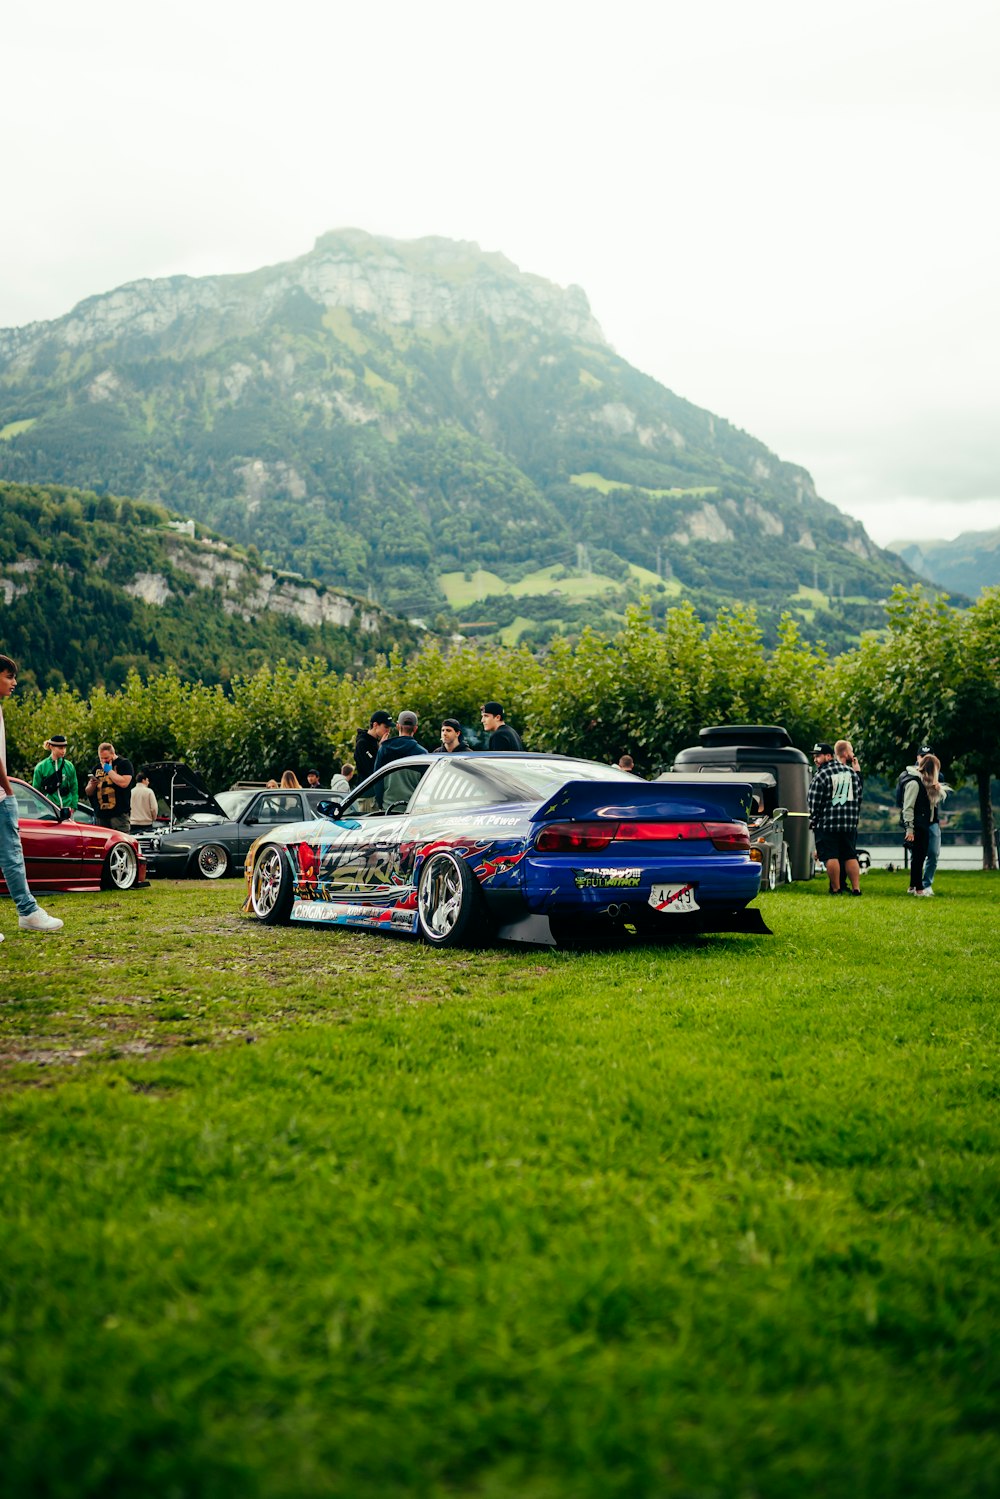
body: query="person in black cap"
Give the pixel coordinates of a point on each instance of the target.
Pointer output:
(312, 778)
(402, 744)
(834, 809)
(501, 735)
(56, 776)
(368, 742)
(452, 738)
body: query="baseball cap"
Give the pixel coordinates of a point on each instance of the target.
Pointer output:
(822, 748)
(380, 717)
(451, 723)
(407, 720)
(493, 707)
(924, 749)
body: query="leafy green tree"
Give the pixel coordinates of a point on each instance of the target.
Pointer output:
(934, 678)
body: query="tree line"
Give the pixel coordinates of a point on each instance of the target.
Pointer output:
(932, 675)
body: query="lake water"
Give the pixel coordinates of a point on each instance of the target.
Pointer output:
(953, 856)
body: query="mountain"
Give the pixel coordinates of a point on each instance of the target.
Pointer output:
(92, 586)
(424, 420)
(966, 565)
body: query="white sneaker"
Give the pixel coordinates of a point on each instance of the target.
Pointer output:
(1, 936)
(39, 921)
(925, 892)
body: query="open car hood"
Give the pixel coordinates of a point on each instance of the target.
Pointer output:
(182, 789)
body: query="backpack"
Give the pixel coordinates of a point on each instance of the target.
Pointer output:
(901, 792)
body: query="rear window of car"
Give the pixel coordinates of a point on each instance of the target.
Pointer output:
(471, 782)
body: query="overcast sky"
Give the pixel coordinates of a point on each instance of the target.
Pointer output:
(787, 213)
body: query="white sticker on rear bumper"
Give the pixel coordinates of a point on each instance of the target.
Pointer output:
(673, 899)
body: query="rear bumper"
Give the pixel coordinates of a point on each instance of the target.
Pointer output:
(575, 885)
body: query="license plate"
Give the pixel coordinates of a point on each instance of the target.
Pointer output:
(673, 899)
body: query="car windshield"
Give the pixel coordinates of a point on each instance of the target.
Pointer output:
(233, 802)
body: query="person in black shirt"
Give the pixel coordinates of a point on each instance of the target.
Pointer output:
(109, 788)
(501, 735)
(398, 748)
(402, 744)
(369, 741)
(452, 738)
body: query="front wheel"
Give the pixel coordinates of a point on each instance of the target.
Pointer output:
(772, 871)
(271, 886)
(121, 868)
(449, 909)
(212, 861)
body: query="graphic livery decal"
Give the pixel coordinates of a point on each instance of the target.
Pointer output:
(603, 879)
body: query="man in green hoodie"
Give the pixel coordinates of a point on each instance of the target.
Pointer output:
(56, 776)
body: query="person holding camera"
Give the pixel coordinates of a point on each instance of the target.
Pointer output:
(109, 788)
(55, 776)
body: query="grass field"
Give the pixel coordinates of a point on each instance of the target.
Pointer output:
(461, 592)
(301, 1213)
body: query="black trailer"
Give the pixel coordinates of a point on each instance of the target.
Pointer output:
(762, 747)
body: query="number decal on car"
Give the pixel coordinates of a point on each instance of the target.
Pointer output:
(673, 899)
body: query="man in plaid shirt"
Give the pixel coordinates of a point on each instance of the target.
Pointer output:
(834, 809)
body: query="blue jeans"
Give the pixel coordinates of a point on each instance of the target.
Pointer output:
(12, 859)
(933, 850)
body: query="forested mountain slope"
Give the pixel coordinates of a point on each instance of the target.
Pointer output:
(91, 586)
(395, 416)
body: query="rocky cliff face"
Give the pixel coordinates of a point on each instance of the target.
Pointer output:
(419, 284)
(386, 416)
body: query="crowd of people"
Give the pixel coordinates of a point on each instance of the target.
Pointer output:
(835, 793)
(123, 799)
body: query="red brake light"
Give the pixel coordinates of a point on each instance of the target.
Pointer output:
(730, 837)
(629, 832)
(592, 837)
(575, 837)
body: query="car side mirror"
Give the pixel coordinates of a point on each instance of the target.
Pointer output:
(65, 813)
(332, 809)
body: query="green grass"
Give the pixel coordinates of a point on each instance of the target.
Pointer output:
(14, 429)
(671, 586)
(605, 486)
(295, 1212)
(461, 592)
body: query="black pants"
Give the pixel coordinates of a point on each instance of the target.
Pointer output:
(918, 853)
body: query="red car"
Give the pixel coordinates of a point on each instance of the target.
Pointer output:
(61, 854)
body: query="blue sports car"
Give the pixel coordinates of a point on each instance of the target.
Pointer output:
(539, 848)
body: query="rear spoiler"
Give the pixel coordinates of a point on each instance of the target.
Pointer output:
(696, 800)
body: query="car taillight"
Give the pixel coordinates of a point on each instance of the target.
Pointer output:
(575, 837)
(731, 837)
(591, 837)
(641, 832)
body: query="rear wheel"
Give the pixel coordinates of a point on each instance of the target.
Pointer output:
(449, 905)
(772, 870)
(121, 868)
(271, 886)
(212, 861)
(786, 864)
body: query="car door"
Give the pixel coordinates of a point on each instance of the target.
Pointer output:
(53, 850)
(269, 809)
(365, 861)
